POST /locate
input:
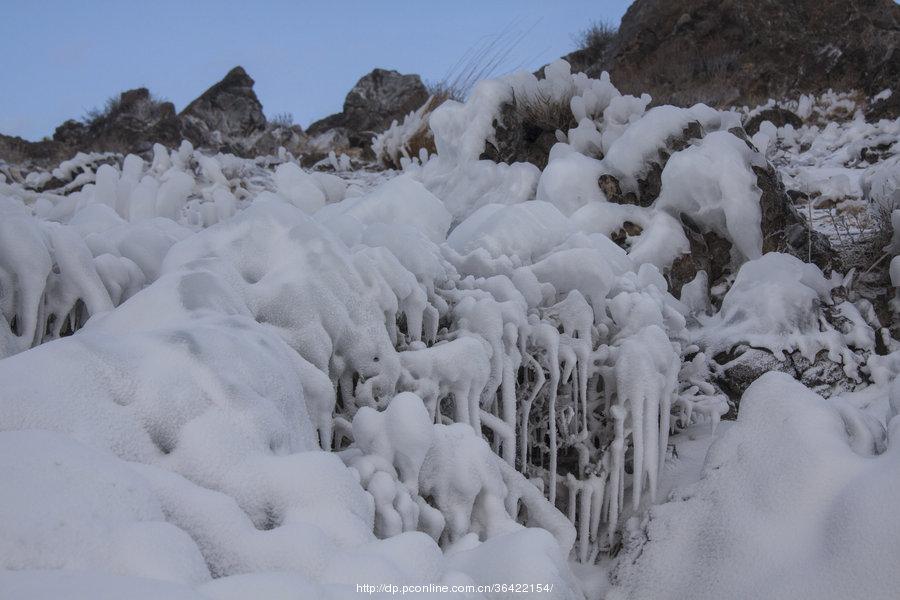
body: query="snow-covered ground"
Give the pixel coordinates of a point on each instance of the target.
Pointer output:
(231, 378)
(841, 165)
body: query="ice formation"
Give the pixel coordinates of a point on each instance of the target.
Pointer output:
(819, 529)
(465, 372)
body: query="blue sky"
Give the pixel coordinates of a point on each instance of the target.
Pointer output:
(63, 58)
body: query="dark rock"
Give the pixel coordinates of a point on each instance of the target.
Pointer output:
(274, 137)
(523, 135)
(227, 114)
(777, 116)
(885, 109)
(821, 375)
(373, 104)
(709, 252)
(784, 229)
(650, 185)
(650, 181)
(743, 365)
(45, 153)
(610, 187)
(70, 133)
(132, 124)
(628, 230)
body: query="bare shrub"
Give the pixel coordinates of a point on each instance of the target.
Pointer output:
(150, 108)
(596, 37)
(95, 115)
(283, 119)
(489, 57)
(545, 112)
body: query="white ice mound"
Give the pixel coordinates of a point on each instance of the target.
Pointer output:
(713, 182)
(776, 302)
(525, 230)
(786, 508)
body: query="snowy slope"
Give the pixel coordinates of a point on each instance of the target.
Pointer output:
(463, 373)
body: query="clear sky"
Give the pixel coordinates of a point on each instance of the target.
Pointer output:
(64, 58)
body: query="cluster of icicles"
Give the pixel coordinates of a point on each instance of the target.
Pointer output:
(571, 366)
(578, 393)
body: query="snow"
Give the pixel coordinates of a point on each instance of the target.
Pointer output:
(713, 182)
(570, 180)
(811, 531)
(775, 303)
(846, 167)
(227, 377)
(628, 155)
(524, 230)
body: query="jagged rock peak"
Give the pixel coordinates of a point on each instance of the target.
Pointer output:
(228, 110)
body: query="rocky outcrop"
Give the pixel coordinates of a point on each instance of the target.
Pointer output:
(227, 117)
(15, 150)
(783, 228)
(132, 124)
(228, 114)
(369, 108)
(745, 51)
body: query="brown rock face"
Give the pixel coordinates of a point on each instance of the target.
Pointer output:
(741, 51)
(16, 150)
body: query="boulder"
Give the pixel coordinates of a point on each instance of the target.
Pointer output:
(373, 104)
(710, 253)
(743, 365)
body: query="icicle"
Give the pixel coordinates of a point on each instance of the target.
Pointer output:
(665, 409)
(572, 485)
(652, 398)
(505, 433)
(599, 484)
(508, 407)
(584, 520)
(551, 409)
(526, 407)
(629, 392)
(617, 468)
